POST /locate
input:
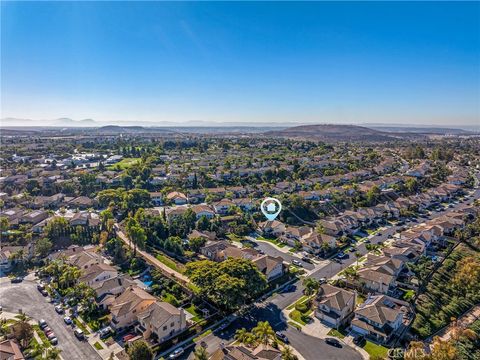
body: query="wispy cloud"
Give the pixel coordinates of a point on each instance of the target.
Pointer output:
(190, 33)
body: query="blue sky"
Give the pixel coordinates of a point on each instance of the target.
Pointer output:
(242, 62)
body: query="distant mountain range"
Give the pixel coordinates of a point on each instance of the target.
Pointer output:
(367, 132)
(333, 132)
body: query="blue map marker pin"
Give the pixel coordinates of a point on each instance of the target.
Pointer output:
(271, 207)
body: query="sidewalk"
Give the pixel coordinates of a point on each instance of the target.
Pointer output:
(154, 261)
(93, 338)
(349, 341)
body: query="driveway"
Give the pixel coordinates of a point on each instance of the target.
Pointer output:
(26, 297)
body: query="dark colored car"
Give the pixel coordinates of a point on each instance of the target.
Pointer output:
(333, 342)
(359, 340)
(16, 280)
(282, 337)
(307, 260)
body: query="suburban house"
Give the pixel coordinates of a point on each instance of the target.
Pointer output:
(380, 317)
(380, 273)
(203, 210)
(98, 273)
(9, 350)
(222, 206)
(156, 198)
(334, 306)
(126, 307)
(271, 267)
(111, 287)
(161, 320)
(177, 198)
(272, 228)
(314, 242)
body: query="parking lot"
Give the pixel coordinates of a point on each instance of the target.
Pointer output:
(24, 296)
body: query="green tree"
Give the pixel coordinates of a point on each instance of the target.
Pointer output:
(287, 353)
(264, 332)
(43, 247)
(311, 286)
(229, 284)
(196, 243)
(139, 350)
(200, 353)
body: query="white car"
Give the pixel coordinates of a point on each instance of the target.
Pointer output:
(297, 263)
(67, 320)
(176, 353)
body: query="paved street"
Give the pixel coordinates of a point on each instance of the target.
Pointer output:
(272, 251)
(311, 348)
(26, 297)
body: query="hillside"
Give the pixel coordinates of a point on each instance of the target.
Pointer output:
(337, 133)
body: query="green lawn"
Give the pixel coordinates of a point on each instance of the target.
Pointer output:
(192, 309)
(375, 350)
(408, 294)
(41, 334)
(299, 301)
(336, 333)
(169, 262)
(201, 336)
(234, 237)
(98, 346)
(124, 164)
(81, 326)
(273, 241)
(299, 317)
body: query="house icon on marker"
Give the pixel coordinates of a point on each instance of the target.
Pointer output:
(271, 207)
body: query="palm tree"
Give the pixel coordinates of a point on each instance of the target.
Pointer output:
(52, 354)
(200, 353)
(263, 332)
(311, 286)
(69, 276)
(357, 256)
(351, 273)
(287, 354)
(242, 335)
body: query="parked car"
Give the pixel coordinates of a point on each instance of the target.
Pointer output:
(67, 320)
(128, 337)
(288, 288)
(282, 337)
(333, 342)
(40, 287)
(44, 292)
(42, 323)
(46, 329)
(16, 280)
(322, 280)
(79, 334)
(307, 260)
(176, 353)
(51, 336)
(359, 340)
(54, 341)
(297, 263)
(105, 332)
(59, 309)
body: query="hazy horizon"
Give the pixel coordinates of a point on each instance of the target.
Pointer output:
(128, 63)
